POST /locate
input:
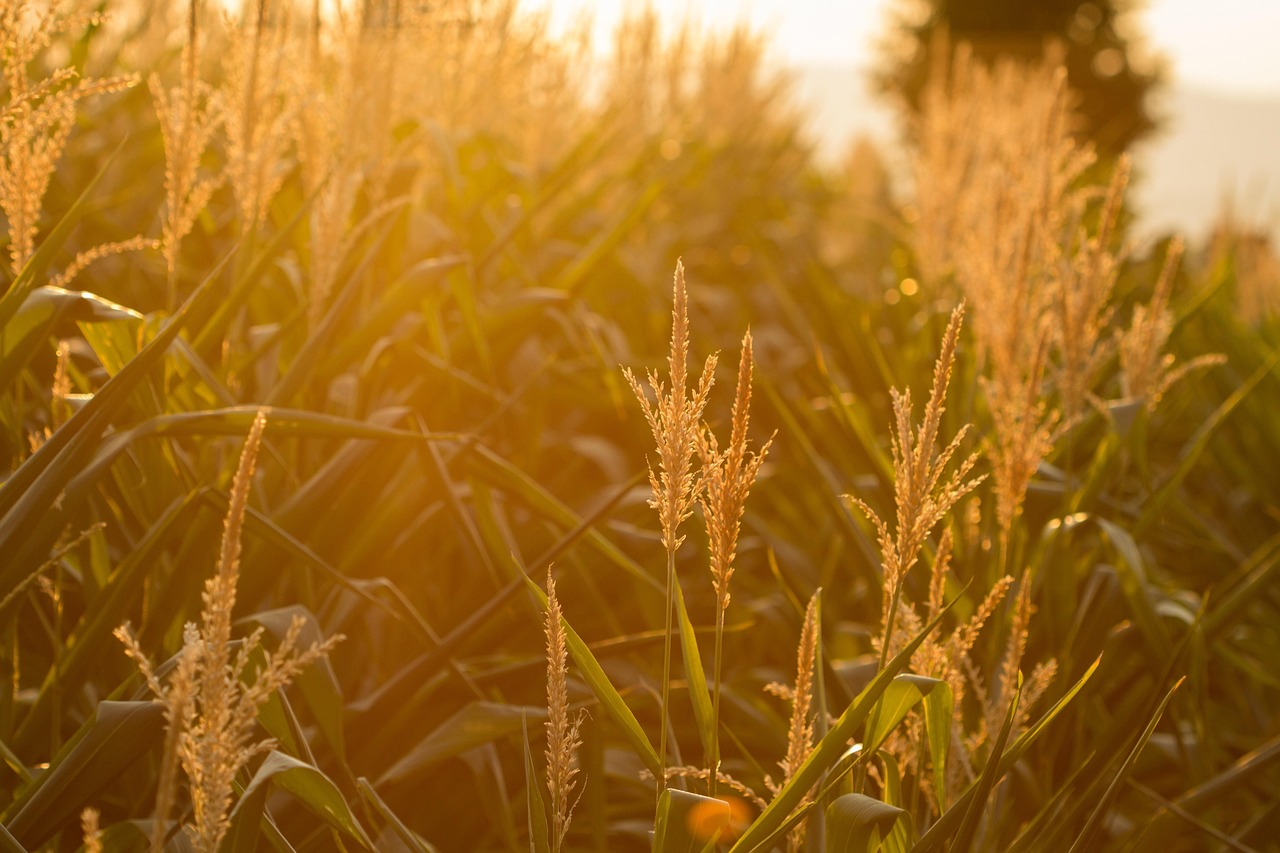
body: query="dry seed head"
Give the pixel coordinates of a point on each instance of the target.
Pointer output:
(1023, 434)
(212, 700)
(37, 116)
(938, 577)
(189, 115)
(702, 773)
(1012, 664)
(800, 730)
(727, 478)
(800, 726)
(89, 830)
(673, 419)
(922, 497)
(97, 253)
(1035, 686)
(563, 739)
(1082, 278)
(258, 112)
(1146, 371)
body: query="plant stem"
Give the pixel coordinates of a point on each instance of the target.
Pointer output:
(666, 670)
(874, 719)
(713, 760)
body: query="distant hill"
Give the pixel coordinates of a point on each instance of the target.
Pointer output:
(1213, 145)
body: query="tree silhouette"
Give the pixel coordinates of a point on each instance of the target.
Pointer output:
(1113, 80)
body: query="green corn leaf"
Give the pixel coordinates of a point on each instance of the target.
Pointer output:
(31, 493)
(945, 827)
(407, 836)
(902, 694)
(694, 675)
(9, 844)
(105, 613)
(689, 823)
(117, 735)
(895, 841)
(500, 473)
(539, 832)
(968, 831)
(307, 785)
(46, 311)
(474, 725)
(938, 719)
(1087, 834)
(857, 823)
(1137, 591)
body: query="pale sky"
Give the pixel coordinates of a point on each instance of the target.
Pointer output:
(1228, 46)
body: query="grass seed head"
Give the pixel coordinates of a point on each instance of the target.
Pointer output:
(726, 479)
(563, 738)
(674, 417)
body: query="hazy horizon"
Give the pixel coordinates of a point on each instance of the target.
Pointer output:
(1221, 105)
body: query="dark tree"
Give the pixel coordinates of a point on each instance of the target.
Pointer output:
(1114, 85)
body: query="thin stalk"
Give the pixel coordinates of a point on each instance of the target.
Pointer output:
(666, 670)
(714, 759)
(860, 775)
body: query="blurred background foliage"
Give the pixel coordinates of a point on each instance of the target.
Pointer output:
(1112, 71)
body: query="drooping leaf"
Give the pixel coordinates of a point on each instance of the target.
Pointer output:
(474, 725)
(902, 694)
(308, 785)
(116, 736)
(857, 823)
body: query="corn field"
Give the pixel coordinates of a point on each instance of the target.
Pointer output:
(418, 433)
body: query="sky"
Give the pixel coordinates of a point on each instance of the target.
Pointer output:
(1227, 46)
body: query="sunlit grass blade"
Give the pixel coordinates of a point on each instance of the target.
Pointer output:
(944, 828)
(968, 831)
(695, 677)
(1091, 826)
(539, 833)
(903, 693)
